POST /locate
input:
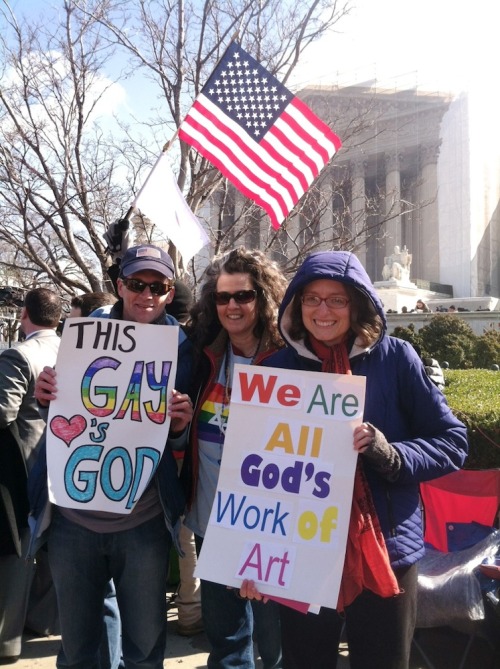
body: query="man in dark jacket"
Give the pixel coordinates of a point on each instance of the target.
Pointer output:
(21, 427)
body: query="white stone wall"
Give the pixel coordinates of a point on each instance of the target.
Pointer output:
(454, 199)
(478, 321)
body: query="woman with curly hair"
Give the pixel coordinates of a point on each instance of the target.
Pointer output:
(234, 321)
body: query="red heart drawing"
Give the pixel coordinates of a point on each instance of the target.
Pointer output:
(67, 430)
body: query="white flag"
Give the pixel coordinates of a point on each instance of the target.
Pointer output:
(161, 200)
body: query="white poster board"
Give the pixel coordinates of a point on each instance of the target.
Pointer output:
(107, 429)
(282, 507)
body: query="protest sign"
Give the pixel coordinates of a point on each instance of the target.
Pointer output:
(281, 512)
(107, 429)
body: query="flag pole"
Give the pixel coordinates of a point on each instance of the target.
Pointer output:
(167, 146)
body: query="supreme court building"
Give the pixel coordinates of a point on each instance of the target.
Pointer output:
(417, 169)
(428, 163)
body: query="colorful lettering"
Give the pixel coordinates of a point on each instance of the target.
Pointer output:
(308, 524)
(287, 395)
(255, 564)
(132, 475)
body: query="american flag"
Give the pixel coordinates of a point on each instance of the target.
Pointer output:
(262, 138)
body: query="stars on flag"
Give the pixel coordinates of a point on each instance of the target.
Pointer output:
(249, 95)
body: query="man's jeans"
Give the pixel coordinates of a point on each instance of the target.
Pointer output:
(229, 626)
(110, 653)
(267, 633)
(82, 563)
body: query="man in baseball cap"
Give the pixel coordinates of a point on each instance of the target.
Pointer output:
(132, 549)
(145, 284)
(144, 257)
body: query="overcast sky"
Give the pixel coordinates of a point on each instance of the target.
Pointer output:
(435, 44)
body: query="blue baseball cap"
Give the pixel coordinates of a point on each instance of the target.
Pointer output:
(146, 256)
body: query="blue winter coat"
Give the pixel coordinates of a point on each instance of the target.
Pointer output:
(400, 401)
(166, 478)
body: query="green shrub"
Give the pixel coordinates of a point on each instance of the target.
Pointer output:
(474, 397)
(449, 338)
(411, 335)
(473, 394)
(487, 349)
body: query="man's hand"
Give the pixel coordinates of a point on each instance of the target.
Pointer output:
(46, 386)
(180, 410)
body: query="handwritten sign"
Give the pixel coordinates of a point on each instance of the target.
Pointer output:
(282, 507)
(107, 429)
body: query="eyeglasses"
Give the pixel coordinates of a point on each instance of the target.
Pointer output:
(156, 287)
(333, 302)
(240, 297)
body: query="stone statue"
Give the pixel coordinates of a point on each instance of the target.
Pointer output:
(397, 265)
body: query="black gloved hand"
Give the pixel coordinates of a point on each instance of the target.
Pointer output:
(117, 238)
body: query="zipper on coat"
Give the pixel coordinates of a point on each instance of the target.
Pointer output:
(390, 515)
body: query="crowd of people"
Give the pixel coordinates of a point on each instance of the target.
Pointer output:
(110, 570)
(422, 308)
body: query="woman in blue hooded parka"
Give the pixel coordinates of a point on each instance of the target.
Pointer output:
(333, 321)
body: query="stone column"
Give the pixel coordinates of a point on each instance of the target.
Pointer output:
(428, 213)
(392, 201)
(358, 208)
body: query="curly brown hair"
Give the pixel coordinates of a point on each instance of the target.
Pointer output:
(366, 324)
(268, 281)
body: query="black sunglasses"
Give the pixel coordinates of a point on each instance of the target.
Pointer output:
(240, 297)
(156, 287)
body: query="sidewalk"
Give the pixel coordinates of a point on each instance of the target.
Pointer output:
(444, 646)
(190, 652)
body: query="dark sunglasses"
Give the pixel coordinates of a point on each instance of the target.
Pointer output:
(156, 287)
(240, 297)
